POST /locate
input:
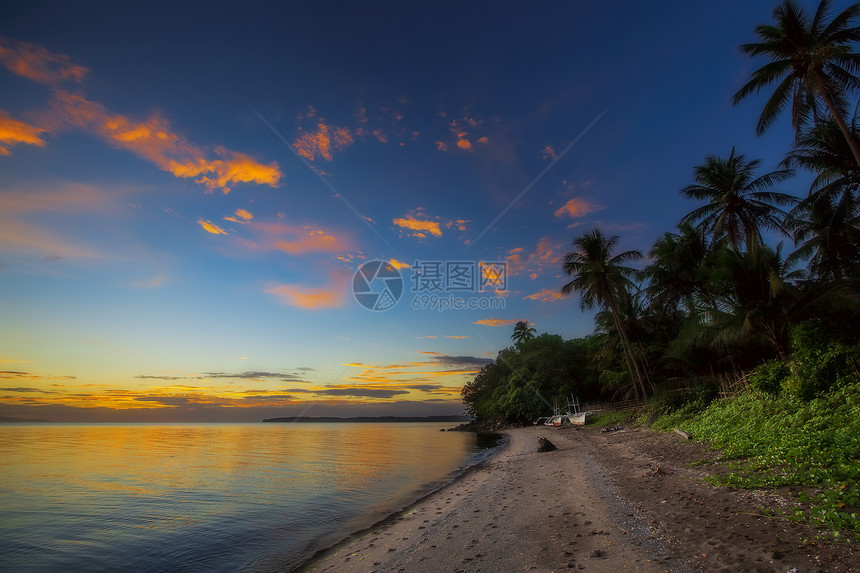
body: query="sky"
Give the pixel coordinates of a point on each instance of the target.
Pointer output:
(188, 194)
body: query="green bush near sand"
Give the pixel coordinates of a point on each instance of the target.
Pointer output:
(774, 441)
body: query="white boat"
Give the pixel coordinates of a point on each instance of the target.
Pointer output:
(557, 420)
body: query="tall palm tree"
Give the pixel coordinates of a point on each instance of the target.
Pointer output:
(813, 62)
(522, 333)
(602, 279)
(739, 205)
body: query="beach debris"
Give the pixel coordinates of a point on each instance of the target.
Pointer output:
(545, 445)
(612, 429)
(683, 434)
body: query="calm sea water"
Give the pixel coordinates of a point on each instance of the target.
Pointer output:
(207, 497)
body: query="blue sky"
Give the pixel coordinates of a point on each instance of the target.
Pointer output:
(187, 192)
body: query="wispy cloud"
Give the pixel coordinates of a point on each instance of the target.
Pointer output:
(211, 227)
(545, 255)
(322, 141)
(398, 265)
(215, 167)
(38, 64)
(545, 295)
(457, 360)
(577, 207)
(497, 321)
(27, 390)
(13, 132)
(248, 375)
(417, 227)
(464, 134)
(299, 240)
(331, 295)
(18, 235)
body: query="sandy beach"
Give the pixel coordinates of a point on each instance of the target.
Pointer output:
(627, 500)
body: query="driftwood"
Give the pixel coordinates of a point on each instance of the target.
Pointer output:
(683, 434)
(545, 445)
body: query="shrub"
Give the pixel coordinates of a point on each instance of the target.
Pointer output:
(818, 363)
(769, 376)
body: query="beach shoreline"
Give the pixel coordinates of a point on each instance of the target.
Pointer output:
(604, 501)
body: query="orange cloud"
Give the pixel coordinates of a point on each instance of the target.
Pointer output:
(441, 146)
(398, 265)
(211, 227)
(545, 295)
(321, 143)
(463, 143)
(330, 296)
(549, 153)
(155, 141)
(38, 64)
(13, 132)
(300, 240)
(482, 139)
(497, 321)
(418, 226)
(546, 255)
(244, 214)
(577, 207)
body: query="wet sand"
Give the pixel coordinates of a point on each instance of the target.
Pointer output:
(622, 501)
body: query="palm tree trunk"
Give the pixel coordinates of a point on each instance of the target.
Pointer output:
(843, 127)
(632, 366)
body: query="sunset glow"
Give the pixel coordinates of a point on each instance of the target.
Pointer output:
(185, 209)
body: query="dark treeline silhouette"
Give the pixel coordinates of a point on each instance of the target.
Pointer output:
(716, 301)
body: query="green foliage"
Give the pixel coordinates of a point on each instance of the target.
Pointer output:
(613, 418)
(818, 362)
(783, 440)
(769, 376)
(669, 408)
(526, 380)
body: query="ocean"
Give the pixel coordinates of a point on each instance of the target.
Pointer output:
(208, 497)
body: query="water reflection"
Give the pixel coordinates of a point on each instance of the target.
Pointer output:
(219, 496)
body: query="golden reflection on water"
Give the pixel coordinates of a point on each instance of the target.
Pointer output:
(155, 495)
(229, 460)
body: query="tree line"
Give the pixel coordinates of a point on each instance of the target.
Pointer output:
(715, 300)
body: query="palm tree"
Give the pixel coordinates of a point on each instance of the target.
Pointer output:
(830, 233)
(812, 61)
(674, 274)
(601, 279)
(827, 222)
(522, 333)
(738, 205)
(823, 150)
(755, 302)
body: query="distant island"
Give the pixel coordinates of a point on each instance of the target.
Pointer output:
(330, 419)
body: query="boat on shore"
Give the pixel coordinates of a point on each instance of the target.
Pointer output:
(572, 417)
